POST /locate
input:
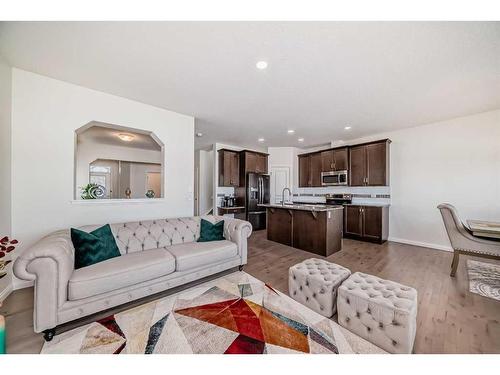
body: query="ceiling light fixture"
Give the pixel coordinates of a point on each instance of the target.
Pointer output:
(199, 134)
(126, 137)
(261, 139)
(301, 139)
(347, 128)
(261, 65)
(291, 131)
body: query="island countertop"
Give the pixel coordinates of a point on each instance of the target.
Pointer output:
(303, 207)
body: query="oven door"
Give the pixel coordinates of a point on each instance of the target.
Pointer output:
(342, 178)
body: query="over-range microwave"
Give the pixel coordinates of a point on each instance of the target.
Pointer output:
(335, 178)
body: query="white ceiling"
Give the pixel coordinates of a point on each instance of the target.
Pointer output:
(373, 76)
(104, 134)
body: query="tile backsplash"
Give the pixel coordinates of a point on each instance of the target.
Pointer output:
(372, 194)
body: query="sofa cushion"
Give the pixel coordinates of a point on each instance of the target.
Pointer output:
(94, 247)
(211, 231)
(120, 272)
(197, 254)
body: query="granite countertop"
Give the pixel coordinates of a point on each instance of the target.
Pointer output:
(303, 207)
(367, 204)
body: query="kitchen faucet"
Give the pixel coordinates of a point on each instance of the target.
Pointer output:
(283, 195)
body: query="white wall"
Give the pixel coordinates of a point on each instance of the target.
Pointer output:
(5, 166)
(45, 114)
(206, 180)
(455, 161)
(5, 147)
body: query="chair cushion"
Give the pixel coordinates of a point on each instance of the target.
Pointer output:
(197, 254)
(94, 247)
(120, 272)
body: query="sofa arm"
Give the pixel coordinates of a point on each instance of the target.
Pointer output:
(50, 263)
(238, 231)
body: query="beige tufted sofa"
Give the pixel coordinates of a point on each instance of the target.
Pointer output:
(156, 255)
(381, 311)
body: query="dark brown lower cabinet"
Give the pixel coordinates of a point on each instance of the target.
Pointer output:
(366, 223)
(279, 226)
(319, 232)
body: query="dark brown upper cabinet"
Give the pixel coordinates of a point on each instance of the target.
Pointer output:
(310, 170)
(229, 168)
(261, 166)
(252, 162)
(334, 160)
(315, 169)
(357, 162)
(369, 164)
(304, 171)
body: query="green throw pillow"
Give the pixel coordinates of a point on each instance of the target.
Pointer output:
(93, 247)
(211, 232)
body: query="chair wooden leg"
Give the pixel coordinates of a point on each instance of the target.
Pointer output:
(454, 264)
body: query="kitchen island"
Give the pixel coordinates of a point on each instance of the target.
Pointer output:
(314, 228)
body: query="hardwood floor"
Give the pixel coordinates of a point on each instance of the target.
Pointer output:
(450, 319)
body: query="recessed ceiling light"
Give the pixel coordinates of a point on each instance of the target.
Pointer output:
(199, 134)
(261, 65)
(261, 139)
(347, 128)
(126, 137)
(291, 131)
(301, 139)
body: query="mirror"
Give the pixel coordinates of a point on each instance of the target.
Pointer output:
(113, 162)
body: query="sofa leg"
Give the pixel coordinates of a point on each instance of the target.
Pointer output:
(240, 267)
(454, 264)
(49, 334)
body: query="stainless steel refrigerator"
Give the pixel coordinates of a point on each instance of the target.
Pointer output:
(257, 193)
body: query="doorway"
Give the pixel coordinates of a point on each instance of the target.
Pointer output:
(280, 179)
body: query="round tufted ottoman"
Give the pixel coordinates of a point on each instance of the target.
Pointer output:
(314, 283)
(381, 311)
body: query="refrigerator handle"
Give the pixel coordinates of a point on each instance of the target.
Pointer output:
(262, 191)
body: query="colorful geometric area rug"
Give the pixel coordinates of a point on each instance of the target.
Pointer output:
(234, 314)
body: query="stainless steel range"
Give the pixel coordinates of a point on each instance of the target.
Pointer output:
(338, 199)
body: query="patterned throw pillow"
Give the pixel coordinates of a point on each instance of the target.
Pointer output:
(93, 247)
(211, 232)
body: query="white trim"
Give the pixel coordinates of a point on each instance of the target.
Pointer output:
(5, 293)
(117, 201)
(421, 244)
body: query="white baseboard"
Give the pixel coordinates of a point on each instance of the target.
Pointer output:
(5, 293)
(422, 244)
